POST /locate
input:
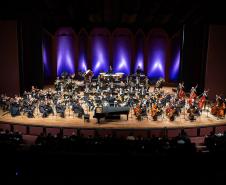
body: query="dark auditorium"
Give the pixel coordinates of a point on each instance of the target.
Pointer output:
(112, 92)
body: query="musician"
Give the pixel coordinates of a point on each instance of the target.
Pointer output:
(64, 74)
(193, 111)
(180, 86)
(180, 91)
(143, 110)
(60, 108)
(88, 76)
(137, 82)
(15, 106)
(139, 71)
(57, 84)
(110, 70)
(45, 108)
(146, 83)
(193, 95)
(29, 108)
(111, 100)
(77, 108)
(159, 84)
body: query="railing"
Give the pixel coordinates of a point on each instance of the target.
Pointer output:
(159, 132)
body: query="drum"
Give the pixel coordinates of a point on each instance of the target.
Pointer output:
(102, 75)
(105, 104)
(119, 75)
(106, 76)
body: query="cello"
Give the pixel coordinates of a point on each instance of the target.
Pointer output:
(154, 112)
(170, 113)
(137, 110)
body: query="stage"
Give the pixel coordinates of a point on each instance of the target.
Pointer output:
(72, 121)
(132, 123)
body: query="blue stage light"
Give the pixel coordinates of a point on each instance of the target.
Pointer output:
(174, 70)
(100, 55)
(122, 57)
(156, 62)
(65, 55)
(139, 61)
(46, 59)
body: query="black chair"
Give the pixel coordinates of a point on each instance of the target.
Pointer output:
(86, 117)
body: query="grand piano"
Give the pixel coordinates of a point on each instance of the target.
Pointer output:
(109, 112)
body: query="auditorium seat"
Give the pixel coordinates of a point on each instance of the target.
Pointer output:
(20, 128)
(36, 130)
(69, 131)
(123, 133)
(87, 133)
(104, 132)
(4, 126)
(53, 131)
(157, 132)
(29, 139)
(173, 132)
(220, 129)
(141, 133)
(205, 131)
(191, 132)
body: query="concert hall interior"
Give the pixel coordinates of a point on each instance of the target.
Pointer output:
(98, 91)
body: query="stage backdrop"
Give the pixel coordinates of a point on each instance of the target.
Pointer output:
(65, 50)
(100, 50)
(121, 49)
(9, 61)
(83, 51)
(139, 51)
(193, 58)
(216, 61)
(157, 53)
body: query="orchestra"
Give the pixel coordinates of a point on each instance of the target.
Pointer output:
(111, 90)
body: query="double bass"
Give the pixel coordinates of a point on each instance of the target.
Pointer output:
(193, 95)
(202, 100)
(218, 109)
(181, 94)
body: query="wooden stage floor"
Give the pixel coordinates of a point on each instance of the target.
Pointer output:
(71, 121)
(132, 123)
